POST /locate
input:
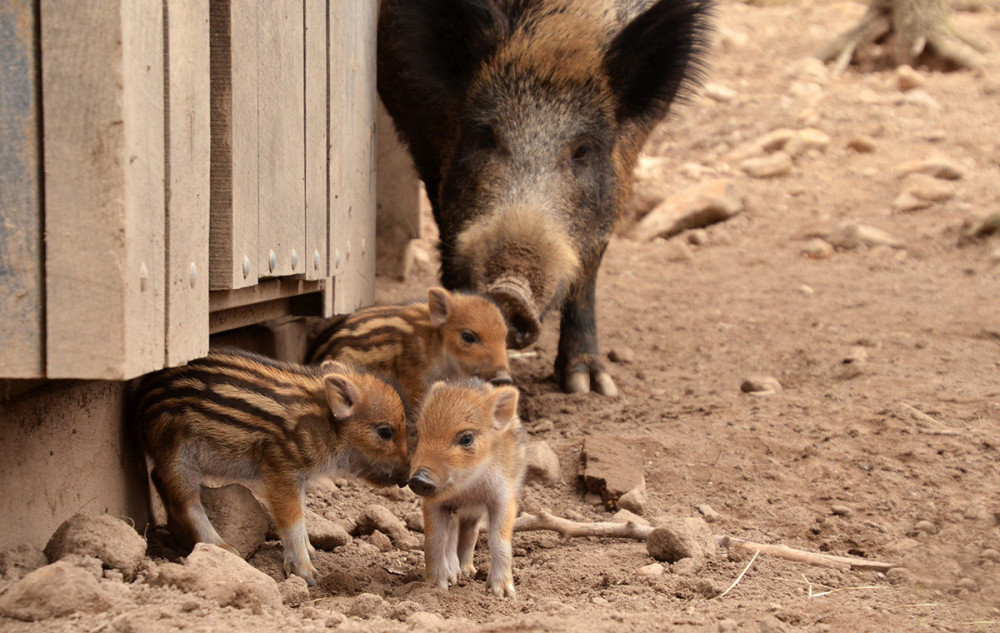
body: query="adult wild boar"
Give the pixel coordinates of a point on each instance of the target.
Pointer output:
(524, 119)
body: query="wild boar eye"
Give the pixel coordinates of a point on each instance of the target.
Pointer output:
(469, 337)
(582, 154)
(486, 137)
(466, 439)
(385, 432)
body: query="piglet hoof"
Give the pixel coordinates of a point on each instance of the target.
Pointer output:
(304, 570)
(468, 570)
(502, 588)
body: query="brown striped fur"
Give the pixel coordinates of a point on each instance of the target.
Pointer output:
(468, 464)
(451, 337)
(240, 417)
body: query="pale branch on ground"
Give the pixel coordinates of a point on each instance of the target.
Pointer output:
(629, 529)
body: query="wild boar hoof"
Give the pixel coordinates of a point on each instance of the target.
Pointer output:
(586, 379)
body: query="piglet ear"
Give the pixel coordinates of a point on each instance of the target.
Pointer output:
(332, 367)
(440, 305)
(342, 395)
(655, 56)
(504, 407)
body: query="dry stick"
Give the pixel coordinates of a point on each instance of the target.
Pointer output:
(940, 429)
(742, 573)
(568, 529)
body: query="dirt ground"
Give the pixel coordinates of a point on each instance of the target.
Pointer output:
(884, 442)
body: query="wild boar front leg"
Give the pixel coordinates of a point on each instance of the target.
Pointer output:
(500, 579)
(468, 532)
(284, 499)
(440, 546)
(578, 365)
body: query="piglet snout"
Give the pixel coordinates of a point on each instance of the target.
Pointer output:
(502, 377)
(422, 484)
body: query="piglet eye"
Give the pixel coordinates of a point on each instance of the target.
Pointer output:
(385, 432)
(466, 439)
(469, 337)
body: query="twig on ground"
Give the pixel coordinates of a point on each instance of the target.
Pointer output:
(939, 428)
(809, 585)
(740, 577)
(568, 529)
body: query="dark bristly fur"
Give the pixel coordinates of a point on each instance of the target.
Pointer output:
(234, 416)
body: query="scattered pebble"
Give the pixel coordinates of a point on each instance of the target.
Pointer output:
(700, 205)
(899, 575)
(771, 624)
(849, 235)
(939, 167)
(335, 619)
(542, 463)
(817, 248)
(599, 601)
(651, 571)
(221, 576)
(806, 289)
(425, 620)
(925, 526)
(809, 139)
(990, 554)
(403, 610)
(686, 567)
(907, 79)
(679, 252)
(763, 385)
(634, 500)
(697, 237)
(367, 605)
(108, 538)
(380, 540)
(968, 584)
(378, 517)
(841, 511)
(621, 355)
(677, 539)
(294, 591)
(711, 516)
(414, 520)
(857, 356)
(772, 166)
(720, 93)
(928, 188)
(728, 626)
(708, 589)
(862, 144)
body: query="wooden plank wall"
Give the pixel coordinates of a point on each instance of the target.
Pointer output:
(102, 81)
(317, 93)
(21, 283)
(188, 165)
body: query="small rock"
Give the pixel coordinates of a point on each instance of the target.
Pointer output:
(53, 591)
(906, 202)
(624, 516)
(414, 520)
(806, 140)
(809, 69)
(700, 205)
(542, 463)
(720, 93)
(697, 237)
(841, 511)
(817, 248)
(918, 97)
(425, 621)
(621, 355)
(651, 571)
(335, 619)
(907, 79)
(378, 517)
(324, 533)
(727, 626)
(927, 188)
(237, 516)
(20, 561)
(711, 516)
(89, 564)
(367, 605)
(899, 575)
(113, 541)
(944, 168)
(760, 385)
(990, 554)
(682, 538)
(380, 540)
(849, 235)
(857, 356)
(634, 500)
(686, 567)
(771, 624)
(925, 526)
(679, 252)
(294, 591)
(862, 144)
(610, 468)
(403, 610)
(599, 601)
(221, 576)
(708, 589)
(806, 289)
(772, 166)
(968, 584)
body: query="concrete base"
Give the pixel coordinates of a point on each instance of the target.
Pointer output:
(63, 450)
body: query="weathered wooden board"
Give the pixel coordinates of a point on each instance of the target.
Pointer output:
(188, 165)
(233, 203)
(317, 91)
(102, 86)
(281, 138)
(21, 281)
(397, 215)
(352, 152)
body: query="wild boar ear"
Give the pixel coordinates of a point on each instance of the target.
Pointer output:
(332, 367)
(445, 41)
(341, 394)
(439, 304)
(504, 407)
(656, 56)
